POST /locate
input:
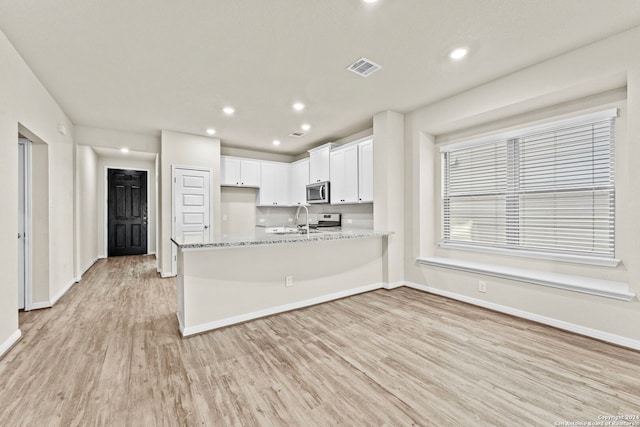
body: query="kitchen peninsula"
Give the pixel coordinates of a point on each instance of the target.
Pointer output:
(234, 278)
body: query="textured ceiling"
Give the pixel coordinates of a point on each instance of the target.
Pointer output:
(147, 65)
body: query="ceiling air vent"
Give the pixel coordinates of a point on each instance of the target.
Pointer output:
(297, 134)
(364, 67)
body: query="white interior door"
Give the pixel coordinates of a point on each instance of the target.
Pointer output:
(191, 206)
(24, 215)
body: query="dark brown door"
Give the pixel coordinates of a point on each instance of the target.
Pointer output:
(127, 212)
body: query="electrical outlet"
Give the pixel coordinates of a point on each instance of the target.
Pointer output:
(290, 219)
(482, 286)
(261, 220)
(349, 221)
(288, 281)
(224, 217)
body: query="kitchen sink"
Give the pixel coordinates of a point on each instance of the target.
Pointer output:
(288, 230)
(297, 232)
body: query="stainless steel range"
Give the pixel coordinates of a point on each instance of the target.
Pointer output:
(325, 220)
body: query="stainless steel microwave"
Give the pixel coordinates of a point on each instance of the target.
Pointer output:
(318, 192)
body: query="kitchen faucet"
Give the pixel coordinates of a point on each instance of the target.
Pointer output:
(298, 214)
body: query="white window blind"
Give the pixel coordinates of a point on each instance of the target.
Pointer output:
(543, 189)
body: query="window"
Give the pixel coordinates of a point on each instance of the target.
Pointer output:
(545, 189)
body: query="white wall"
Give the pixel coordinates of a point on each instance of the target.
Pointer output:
(87, 207)
(258, 155)
(40, 245)
(25, 101)
(109, 138)
(237, 210)
(181, 149)
(388, 191)
(579, 80)
(211, 293)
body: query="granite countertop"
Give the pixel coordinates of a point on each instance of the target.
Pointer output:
(261, 237)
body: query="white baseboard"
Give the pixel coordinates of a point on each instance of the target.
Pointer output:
(102, 257)
(191, 330)
(84, 270)
(167, 275)
(10, 342)
(62, 292)
(560, 324)
(49, 304)
(40, 305)
(393, 285)
(180, 325)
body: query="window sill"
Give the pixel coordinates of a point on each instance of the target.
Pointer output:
(576, 259)
(587, 285)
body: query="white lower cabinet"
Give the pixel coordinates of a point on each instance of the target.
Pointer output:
(274, 185)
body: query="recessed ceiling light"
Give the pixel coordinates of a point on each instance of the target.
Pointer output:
(305, 126)
(458, 53)
(211, 131)
(229, 110)
(124, 150)
(276, 142)
(298, 106)
(369, 1)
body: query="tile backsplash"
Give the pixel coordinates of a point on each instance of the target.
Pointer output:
(353, 216)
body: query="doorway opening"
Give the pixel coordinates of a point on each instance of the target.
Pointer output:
(33, 220)
(127, 217)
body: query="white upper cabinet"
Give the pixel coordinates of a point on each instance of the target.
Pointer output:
(365, 171)
(349, 168)
(250, 173)
(344, 175)
(319, 161)
(299, 181)
(274, 186)
(229, 171)
(239, 172)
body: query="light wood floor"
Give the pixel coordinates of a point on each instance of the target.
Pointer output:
(109, 353)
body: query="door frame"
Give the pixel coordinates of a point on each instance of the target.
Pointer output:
(174, 251)
(106, 206)
(28, 229)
